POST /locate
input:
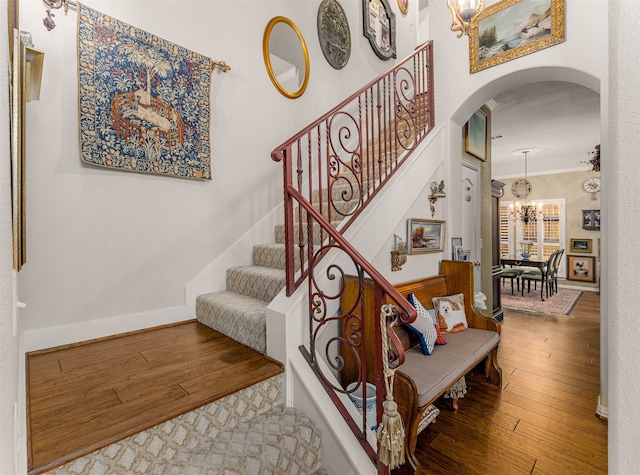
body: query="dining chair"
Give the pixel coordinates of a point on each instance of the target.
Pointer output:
(545, 278)
(556, 267)
(512, 274)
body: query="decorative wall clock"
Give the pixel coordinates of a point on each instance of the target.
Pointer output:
(521, 188)
(592, 185)
(334, 34)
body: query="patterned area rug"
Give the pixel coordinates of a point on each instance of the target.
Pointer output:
(561, 303)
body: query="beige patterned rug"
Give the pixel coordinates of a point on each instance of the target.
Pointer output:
(561, 303)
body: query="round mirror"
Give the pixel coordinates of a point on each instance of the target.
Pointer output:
(286, 57)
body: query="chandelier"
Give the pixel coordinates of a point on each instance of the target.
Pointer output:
(463, 13)
(525, 212)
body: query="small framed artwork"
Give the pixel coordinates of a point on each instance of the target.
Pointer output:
(581, 268)
(457, 251)
(403, 5)
(379, 26)
(475, 135)
(591, 219)
(426, 235)
(510, 29)
(581, 245)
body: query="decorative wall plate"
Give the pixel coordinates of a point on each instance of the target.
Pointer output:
(521, 188)
(403, 5)
(334, 34)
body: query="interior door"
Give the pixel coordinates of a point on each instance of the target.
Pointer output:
(471, 210)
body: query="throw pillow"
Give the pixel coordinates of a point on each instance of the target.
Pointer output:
(429, 314)
(426, 333)
(451, 315)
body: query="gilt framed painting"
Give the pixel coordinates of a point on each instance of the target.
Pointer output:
(510, 29)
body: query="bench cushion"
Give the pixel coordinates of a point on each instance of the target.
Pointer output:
(435, 373)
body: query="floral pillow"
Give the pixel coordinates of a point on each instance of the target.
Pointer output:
(427, 315)
(451, 315)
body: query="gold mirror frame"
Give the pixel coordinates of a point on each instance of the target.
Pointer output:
(267, 60)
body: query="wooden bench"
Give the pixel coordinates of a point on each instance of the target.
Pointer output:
(422, 379)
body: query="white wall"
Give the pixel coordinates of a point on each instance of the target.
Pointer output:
(620, 234)
(105, 244)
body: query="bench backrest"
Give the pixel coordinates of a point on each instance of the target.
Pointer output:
(455, 277)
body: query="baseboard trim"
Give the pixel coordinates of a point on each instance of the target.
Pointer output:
(602, 412)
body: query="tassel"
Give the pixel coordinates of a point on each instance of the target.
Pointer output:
(390, 431)
(390, 434)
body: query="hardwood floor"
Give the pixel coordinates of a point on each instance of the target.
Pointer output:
(543, 420)
(85, 396)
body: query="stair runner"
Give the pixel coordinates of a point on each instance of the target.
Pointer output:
(244, 433)
(267, 442)
(240, 311)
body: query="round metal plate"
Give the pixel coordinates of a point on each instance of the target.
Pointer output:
(334, 34)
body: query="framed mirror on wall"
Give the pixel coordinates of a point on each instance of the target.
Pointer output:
(379, 26)
(286, 57)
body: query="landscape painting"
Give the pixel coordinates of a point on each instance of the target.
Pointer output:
(514, 28)
(425, 235)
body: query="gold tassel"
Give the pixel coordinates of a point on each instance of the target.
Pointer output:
(390, 434)
(390, 431)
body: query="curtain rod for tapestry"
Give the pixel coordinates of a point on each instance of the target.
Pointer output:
(55, 4)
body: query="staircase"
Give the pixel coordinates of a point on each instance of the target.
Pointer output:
(250, 431)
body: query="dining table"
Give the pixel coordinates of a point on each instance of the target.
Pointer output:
(532, 261)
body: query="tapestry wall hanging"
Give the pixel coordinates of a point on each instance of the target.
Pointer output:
(144, 101)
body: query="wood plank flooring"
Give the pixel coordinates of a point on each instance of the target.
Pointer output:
(85, 396)
(543, 420)
(88, 395)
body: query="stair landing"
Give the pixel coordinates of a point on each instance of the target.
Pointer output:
(86, 396)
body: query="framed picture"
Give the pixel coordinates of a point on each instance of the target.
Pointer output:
(379, 27)
(591, 219)
(425, 235)
(457, 251)
(581, 268)
(580, 245)
(511, 29)
(475, 135)
(403, 5)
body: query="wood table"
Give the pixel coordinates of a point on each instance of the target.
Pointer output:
(533, 261)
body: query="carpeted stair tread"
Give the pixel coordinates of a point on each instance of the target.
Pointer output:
(237, 316)
(279, 232)
(277, 442)
(259, 282)
(270, 255)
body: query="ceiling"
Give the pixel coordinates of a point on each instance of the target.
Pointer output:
(558, 121)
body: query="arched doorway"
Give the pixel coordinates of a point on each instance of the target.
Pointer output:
(484, 95)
